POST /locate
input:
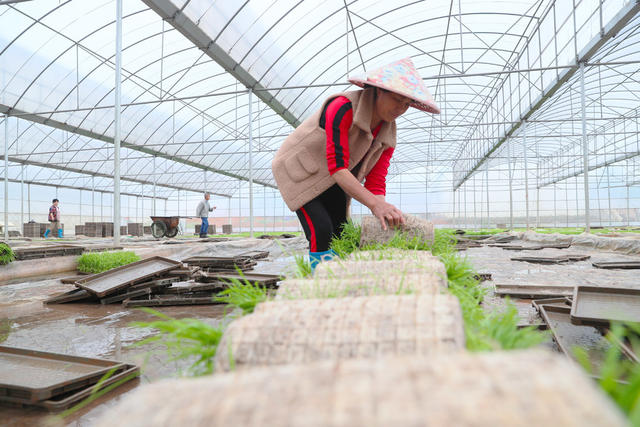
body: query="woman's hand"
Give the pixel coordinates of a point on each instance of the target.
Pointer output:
(387, 213)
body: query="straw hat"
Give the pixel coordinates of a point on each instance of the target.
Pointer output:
(402, 78)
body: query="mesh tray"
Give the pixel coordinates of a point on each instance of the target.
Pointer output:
(28, 376)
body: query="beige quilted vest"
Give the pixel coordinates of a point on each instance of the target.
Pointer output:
(300, 165)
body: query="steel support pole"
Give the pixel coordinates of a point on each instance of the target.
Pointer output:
(6, 178)
(93, 199)
(466, 220)
(116, 139)
(453, 211)
(80, 207)
(426, 194)
(153, 209)
(609, 196)
(526, 171)
(486, 174)
(585, 148)
(628, 212)
(475, 215)
(22, 197)
(250, 163)
(555, 211)
(510, 186)
(29, 201)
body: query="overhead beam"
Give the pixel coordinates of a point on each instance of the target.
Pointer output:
(615, 160)
(174, 15)
(75, 187)
(4, 109)
(616, 24)
(98, 174)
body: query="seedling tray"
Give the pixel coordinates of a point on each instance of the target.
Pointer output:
(70, 296)
(560, 301)
(47, 251)
(551, 260)
(169, 300)
(28, 376)
(265, 280)
(111, 281)
(618, 264)
(255, 254)
(66, 400)
(534, 291)
(599, 306)
(568, 336)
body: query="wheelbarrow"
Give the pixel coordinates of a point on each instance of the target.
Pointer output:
(165, 226)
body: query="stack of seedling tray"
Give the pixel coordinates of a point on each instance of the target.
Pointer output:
(160, 281)
(47, 251)
(213, 264)
(55, 381)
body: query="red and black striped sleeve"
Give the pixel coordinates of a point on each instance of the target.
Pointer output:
(376, 181)
(336, 119)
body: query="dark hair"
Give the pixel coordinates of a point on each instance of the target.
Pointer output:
(55, 200)
(375, 93)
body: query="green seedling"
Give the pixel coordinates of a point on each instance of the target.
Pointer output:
(618, 376)
(242, 294)
(97, 262)
(184, 339)
(6, 254)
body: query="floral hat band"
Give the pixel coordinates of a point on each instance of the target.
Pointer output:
(400, 77)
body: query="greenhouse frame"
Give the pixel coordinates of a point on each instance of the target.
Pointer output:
(539, 122)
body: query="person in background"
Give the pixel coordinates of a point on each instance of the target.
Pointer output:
(54, 220)
(350, 139)
(202, 211)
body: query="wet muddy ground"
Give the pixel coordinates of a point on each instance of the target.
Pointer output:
(95, 330)
(498, 262)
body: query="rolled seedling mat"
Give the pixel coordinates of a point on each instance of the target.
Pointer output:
(431, 268)
(284, 332)
(372, 232)
(381, 284)
(390, 254)
(514, 388)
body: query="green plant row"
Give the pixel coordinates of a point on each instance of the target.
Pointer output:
(483, 331)
(6, 254)
(551, 230)
(97, 262)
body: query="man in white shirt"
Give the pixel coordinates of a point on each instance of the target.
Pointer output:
(202, 211)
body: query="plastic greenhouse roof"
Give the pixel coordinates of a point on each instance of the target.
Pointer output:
(187, 65)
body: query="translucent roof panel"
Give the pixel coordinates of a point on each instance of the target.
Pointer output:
(491, 65)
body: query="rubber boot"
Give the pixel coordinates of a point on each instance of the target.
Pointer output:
(317, 257)
(59, 233)
(46, 233)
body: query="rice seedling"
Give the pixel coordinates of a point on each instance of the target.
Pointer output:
(97, 262)
(184, 339)
(484, 331)
(348, 240)
(6, 254)
(5, 329)
(619, 377)
(242, 294)
(303, 267)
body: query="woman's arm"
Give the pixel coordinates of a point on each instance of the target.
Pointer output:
(377, 205)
